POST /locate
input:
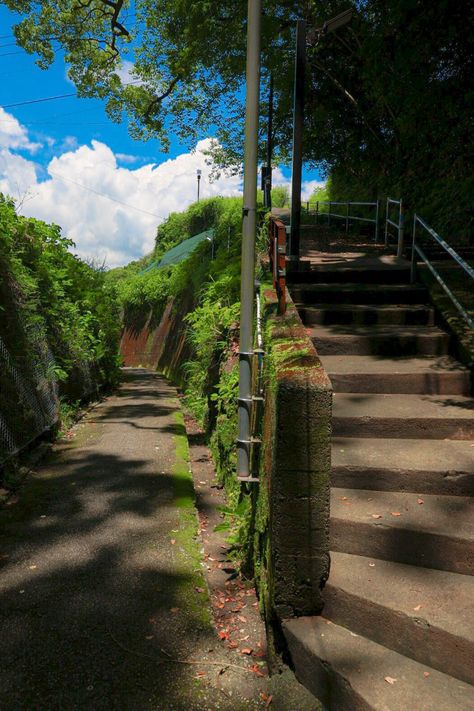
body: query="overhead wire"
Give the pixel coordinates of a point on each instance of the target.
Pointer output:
(54, 98)
(104, 195)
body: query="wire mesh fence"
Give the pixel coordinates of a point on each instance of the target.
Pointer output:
(29, 398)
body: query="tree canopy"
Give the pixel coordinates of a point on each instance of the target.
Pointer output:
(389, 97)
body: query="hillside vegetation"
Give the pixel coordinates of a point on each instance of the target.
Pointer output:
(59, 327)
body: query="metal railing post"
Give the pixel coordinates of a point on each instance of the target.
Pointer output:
(413, 260)
(249, 225)
(377, 221)
(401, 228)
(387, 208)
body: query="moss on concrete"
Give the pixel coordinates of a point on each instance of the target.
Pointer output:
(186, 536)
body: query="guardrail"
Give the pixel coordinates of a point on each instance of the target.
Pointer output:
(399, 225)
(347, 217)
(416, 250)
(277, 256)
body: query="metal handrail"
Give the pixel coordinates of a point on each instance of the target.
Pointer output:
(347, 217)
(277, 256)
(416, 249)
(399, 225)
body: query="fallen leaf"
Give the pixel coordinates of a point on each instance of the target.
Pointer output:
(241, 618)
(174, 609)
(233, 645)
(224, 635)
(200, 674)
(418, 607)
(173, 541)
(376, 516)
(32, 567)
(199, 590)
(247, 650)
(390, 680)
(395, 513)
(372, 565)
(254, 668)
(426, 674)
(420, 501)
(150, 636)
(244, 639)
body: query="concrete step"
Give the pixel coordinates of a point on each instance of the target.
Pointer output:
(348, 672)
(422, 613)
(367, 314)
(368, 271)
(406, 416)
(444, 467)
(358, 293)
(437, 533)
(379, 340)
(428, 375)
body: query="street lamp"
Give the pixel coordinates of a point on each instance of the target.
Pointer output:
(198, 173)
(302, 36)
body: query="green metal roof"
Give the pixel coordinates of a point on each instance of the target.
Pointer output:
(181, 252)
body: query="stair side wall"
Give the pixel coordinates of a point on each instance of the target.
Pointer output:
(297, 461)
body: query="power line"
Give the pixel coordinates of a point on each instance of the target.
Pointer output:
(108, 197)
(10, 54)
(54, 98)
(38, 101)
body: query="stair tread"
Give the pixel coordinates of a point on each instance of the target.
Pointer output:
(403, 406)
(434, 597)
(451, 516)
(363, 364)
(447, 456)
(390, 331)
(359, 260)
(361, 668)
(358, 286)
(363, 307)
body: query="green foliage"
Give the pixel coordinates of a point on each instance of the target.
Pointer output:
(388, 103)
(48, 294)
(280, 196)
(320, 194)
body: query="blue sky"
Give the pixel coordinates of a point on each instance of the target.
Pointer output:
(64, 161)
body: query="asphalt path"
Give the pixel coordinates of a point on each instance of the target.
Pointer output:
(102, 600)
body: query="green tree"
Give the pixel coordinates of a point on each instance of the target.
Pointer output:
(389, 97)
(280, 196)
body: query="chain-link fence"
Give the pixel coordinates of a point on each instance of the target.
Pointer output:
(29, 401)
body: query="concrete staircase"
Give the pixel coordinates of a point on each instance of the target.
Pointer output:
(397, 630)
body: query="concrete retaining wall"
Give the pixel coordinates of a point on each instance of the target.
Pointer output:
(163, 346)
(296, 464)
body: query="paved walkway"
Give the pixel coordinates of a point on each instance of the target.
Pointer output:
(100, 572)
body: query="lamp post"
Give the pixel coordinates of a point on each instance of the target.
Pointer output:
(198, 173)
(298, 120)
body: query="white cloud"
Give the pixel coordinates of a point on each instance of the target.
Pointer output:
(13, 135)
(127, 158)
(122, 226)
(308, 188)
(111, 211)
